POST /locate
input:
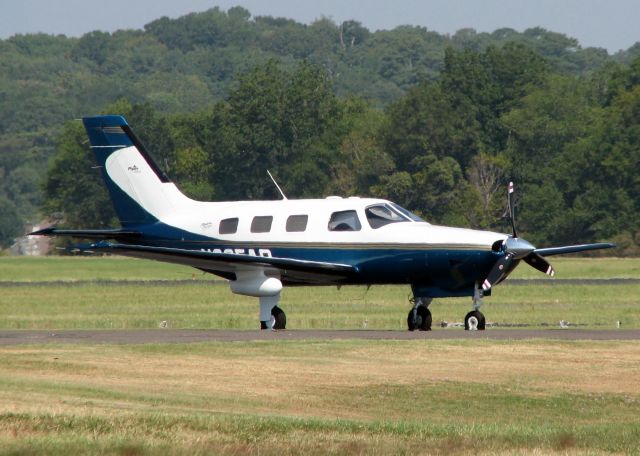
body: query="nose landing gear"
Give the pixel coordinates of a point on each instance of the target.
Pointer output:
(474, 320)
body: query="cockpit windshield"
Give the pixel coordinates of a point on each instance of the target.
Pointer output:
(407, 213)
(380, 215)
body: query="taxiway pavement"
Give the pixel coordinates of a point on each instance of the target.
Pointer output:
(160, 336)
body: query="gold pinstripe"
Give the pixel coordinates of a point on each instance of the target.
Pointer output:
(341, 246)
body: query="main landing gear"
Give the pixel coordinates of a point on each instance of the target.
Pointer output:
(271, 316)
(278, 318)
(420, 316)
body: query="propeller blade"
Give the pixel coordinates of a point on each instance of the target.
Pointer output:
(540, 263)
(498, 271)
(511, 210)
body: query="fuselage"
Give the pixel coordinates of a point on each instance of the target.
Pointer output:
(400, 249)
(383, 242)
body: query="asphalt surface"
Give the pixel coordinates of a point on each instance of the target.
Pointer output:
(155, 336)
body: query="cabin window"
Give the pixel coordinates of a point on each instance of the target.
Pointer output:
(228, 226)
(297, 223)
(383, 214)
(344, 221)
(261, 224)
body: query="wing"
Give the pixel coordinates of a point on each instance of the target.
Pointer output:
(573, 249)
(88, 234)
(289, 270)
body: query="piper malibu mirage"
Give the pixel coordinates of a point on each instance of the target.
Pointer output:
(260, 246)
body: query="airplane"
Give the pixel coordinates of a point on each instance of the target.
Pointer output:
(262, 246)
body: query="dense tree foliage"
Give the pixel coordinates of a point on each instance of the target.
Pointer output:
(10, 226)
(437, 123)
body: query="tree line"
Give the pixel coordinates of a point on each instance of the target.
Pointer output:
(437, 123)
(446, 149)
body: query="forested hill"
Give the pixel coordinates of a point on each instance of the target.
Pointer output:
(436, 122)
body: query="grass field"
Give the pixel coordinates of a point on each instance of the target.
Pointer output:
(312, 397)
(77, 268)
(195, 301)
(339, 397)
(202, 305)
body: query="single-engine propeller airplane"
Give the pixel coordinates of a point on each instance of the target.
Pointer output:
(261, 246)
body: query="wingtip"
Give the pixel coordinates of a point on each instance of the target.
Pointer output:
(43, 232)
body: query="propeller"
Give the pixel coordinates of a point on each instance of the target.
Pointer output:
(516, 249)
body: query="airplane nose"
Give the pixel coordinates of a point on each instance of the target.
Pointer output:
(519, 247)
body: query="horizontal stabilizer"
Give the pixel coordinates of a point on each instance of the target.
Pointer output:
(88, 234)
(573, 249)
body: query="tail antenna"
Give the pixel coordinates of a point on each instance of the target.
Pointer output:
(284, 197)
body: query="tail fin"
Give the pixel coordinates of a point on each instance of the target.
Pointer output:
(141, 193)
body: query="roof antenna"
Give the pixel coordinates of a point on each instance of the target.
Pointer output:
(277, 186)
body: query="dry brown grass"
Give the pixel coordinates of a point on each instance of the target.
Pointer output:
(339, 397)
(261, 378)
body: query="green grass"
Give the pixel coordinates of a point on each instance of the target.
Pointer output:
(82, 268)
(54, 268)
(568, 267)
(206, 305)
(201, 303)
(206, 434)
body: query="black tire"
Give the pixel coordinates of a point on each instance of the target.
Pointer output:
(411, 321)
(421, 320)
(280, 318)
(478, 316)
(426, 318)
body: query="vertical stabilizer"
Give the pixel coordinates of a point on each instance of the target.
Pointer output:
(141, 193)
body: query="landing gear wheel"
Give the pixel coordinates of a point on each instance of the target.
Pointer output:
(278, 318)
(419, 318)
(474, 320)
